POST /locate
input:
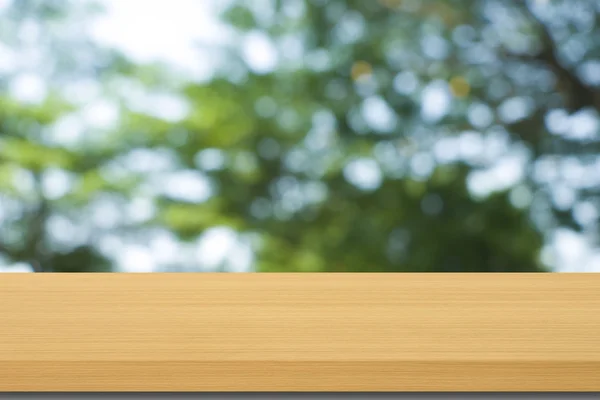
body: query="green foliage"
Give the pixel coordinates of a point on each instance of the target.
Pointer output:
(283, 150)
(438, 228)
(80, 259)
(241, 17)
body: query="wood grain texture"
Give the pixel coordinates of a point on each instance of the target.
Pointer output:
(299, 332)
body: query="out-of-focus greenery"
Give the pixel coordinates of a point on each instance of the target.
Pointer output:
(330, 160)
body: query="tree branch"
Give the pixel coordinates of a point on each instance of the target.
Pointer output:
(34, 244)
(579, 95)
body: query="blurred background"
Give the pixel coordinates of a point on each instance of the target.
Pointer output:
(299, 135)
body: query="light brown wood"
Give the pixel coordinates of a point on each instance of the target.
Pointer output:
(299, 332)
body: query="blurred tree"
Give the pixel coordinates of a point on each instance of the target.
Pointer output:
(495, 79)
(337, 135)
(45, 56)
(328, 158)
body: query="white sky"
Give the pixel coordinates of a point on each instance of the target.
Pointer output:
(165, 30)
